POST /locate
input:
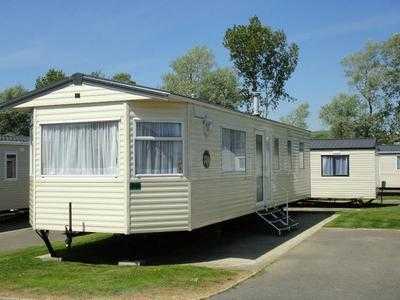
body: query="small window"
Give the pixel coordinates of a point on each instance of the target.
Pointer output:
(11, 166)
(233, 150)
(335, 165)
(275, 153)
(301, 155)
(158, 148)
(289, 153)
(398, 162)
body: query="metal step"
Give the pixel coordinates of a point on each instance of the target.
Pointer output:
(278, 220)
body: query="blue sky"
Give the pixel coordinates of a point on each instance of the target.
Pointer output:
(142, 37)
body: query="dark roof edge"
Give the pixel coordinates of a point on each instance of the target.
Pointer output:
(79, 78)
(342, 148)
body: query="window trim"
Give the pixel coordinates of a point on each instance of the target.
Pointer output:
(16, 165)
(44, 176)
(239, 172)
(336, 155)
(150, 138)
(397, 162)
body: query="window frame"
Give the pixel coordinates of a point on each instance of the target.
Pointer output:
(16, 165)
(334, 156)
(289, 153)
(397, 162)
(245, 151)
(44, 176)
(278, 159)
(167, 139)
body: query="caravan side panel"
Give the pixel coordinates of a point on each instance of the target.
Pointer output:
(361, 182)
(98, 203)
(162, 203)
(217, 195)
(14, 193)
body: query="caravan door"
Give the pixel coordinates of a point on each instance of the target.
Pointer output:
(262, 166)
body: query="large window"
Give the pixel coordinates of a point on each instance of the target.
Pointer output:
(158, 148)
(335, 165)
(275, 153)
(80, 149)
(289, 153)
(233, 150)
(301, 155)
(11, 166)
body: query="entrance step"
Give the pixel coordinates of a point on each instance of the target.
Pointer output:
(278, 220)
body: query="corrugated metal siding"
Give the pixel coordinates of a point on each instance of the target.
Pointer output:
(360, 184)
(14, 194)
(388, 170)
(163, 203)
(98, 203)
(218, 196)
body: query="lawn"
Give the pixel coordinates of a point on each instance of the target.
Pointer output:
(384, 217)
(24, 275)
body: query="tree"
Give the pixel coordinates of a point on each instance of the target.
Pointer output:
(195, 75)
(123, 77)
(50, 77)
(373, 73)
(265, 61)
(15, 122)
(298, 117)
(343, 116)
(188, 71)
(221, 86)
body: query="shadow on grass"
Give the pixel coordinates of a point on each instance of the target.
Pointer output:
(246, 237)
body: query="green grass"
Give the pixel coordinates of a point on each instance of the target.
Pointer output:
(384, 217)
(23, 274)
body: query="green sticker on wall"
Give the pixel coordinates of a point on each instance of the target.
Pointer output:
(136, 186)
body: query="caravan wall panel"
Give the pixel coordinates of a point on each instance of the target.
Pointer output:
(98, 203)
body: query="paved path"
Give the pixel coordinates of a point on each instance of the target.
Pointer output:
(332, 264)
(17, 234)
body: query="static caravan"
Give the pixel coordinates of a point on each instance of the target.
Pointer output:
(389, 166)
(343, 169)
(14, 172)
(133, 159)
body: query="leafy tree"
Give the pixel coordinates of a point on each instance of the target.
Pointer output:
(321, 134)
(51, 76)
(391, 59)
(123, 77)
(15, 122)
(342, 116)
(265, 61)
(298, 117)
(221, 86)
(188, 71)
(194, 75)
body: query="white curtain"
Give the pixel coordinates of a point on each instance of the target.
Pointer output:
(327, 165)
(80, 149)
(158, 156)
(233, 150)
(341, 165)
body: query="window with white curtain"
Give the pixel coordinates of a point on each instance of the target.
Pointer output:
(233, 150)
(301, 155)
(275, 153)
(158, 148)
(83, 149)
(335, 165)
